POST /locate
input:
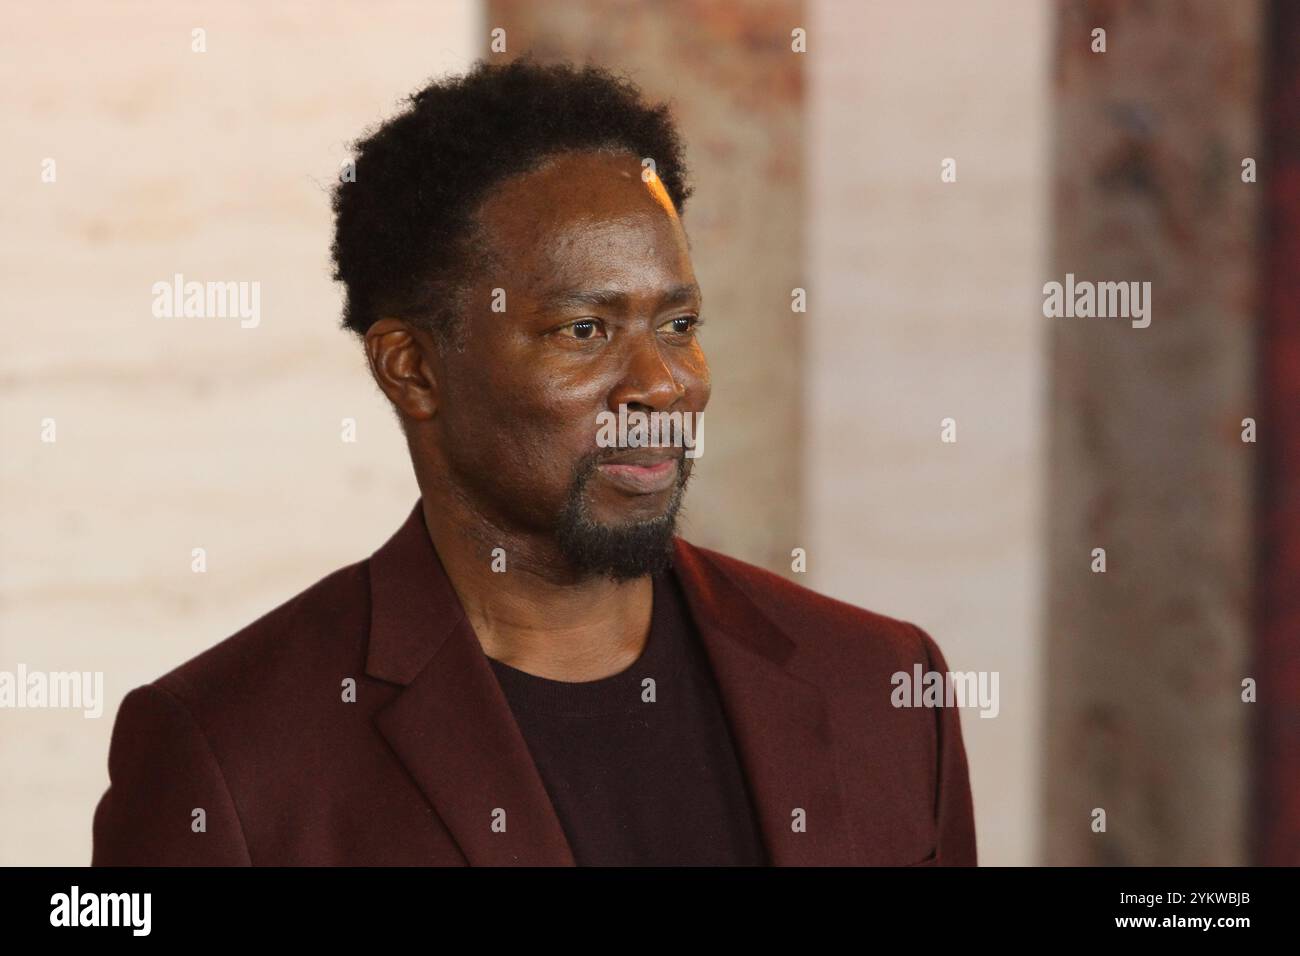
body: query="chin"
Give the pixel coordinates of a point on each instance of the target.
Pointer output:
(621, 546)
(623, 514)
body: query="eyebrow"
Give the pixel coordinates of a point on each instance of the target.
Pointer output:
(612, 298)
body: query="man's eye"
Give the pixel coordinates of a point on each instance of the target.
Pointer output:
(682, 325)
(582, 329)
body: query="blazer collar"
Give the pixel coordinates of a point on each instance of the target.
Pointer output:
(453, 729)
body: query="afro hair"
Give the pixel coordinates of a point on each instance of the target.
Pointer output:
(405, 238)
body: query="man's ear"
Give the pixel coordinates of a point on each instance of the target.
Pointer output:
(401, 360)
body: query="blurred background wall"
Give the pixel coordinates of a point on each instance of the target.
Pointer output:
(186, 433)
(925, 307)
(817, 171)
(1145, 456)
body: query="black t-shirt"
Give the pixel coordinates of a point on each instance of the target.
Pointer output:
(635, 780)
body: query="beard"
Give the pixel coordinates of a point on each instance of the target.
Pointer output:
(619, 551)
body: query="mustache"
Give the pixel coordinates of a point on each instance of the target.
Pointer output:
(601, 455)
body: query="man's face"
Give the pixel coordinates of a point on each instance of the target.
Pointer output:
(600, 307)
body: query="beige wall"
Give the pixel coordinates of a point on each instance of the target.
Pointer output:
(924, 305)
(184, 433)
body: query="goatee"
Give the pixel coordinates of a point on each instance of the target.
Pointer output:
(621, 551)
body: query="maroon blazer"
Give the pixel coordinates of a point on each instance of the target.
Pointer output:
(257, 734)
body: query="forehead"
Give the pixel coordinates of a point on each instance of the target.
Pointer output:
(584, 217)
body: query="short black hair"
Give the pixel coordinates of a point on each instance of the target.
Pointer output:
(405, 242)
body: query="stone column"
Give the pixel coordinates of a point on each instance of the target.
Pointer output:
(1145, 719)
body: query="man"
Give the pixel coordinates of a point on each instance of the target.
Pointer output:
(534, 669)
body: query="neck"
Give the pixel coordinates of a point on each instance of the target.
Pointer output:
(536, 615)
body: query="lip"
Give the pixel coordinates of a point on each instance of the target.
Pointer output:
(641, 474)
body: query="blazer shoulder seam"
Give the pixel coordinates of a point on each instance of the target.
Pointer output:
(755, 582)
(927, 644)
(207, 745)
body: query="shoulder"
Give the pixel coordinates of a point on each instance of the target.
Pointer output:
(202, 734)
(820, 624)
(319, 633)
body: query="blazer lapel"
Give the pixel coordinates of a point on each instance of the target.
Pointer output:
(452, 727)
(778, 720)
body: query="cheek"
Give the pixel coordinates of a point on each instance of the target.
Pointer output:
(525, 436)
(557, 418)
(526, 413)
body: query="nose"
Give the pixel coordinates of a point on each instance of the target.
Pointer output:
(648, 381)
